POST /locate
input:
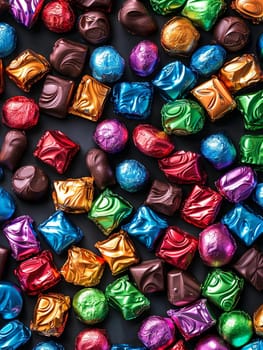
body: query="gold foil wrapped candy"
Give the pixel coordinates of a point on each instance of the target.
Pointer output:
(250, 9)
(83, 267)
(258, 321)
(50, 314)
(73, 195)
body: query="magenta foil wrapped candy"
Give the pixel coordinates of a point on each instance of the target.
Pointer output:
(144, 58)
(26, 11)
(157, 332)
(216, 245)
(211, 342)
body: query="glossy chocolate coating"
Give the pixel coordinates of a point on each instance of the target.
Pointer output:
(30, 183)
(68, 57)
(4, 252)
(232, 33)
(134, 16)
(99, 167)
(94, 27)
(13, 147)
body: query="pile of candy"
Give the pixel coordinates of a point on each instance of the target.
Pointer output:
(177, 197)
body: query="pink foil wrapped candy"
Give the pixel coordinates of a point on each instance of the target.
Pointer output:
(144, 58)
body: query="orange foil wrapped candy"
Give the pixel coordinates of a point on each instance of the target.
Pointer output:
(50, 314)
(118, 251)
(179, 36)
(250, 9)
(241, 72)
(83, 267)
(89, 99)
(73, 195)
(215, 98)
(27, 68)
(258, 320)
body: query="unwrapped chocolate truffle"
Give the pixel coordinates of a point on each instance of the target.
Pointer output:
(13, 148)
(94, 27)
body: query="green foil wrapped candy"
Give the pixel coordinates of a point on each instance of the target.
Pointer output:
(125, 297)
(164, 7)
(203, 13)
(251, 107)
(108, 210)
(223, 288)
(235, 327)
(90, 305)
(182, 117)
(251, 150)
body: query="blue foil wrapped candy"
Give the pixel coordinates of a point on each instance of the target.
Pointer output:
(247, 225)
(258, 194)
(7, 39)
(254, 345)
(60, 232)
(208, 59)
(219, 150)
(11, 301)
(48, 345)
(2, 174)
(106, 64)
(174, 80)
(146, 226)
(133, 100)
(7, 205)
(14, 334)
(131, 175)
(260, 46)
(126, 347)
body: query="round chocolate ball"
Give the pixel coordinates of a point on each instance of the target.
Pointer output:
(131, 175)
(232, 33)
(48, 345)
(7, 39)
(144, 58)
(94, 27)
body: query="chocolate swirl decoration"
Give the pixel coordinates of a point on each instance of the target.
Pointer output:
(251, 150)
(146, 226)
(164, 7)
(37, 273)
(251, 106)
(223, 288)
(83, 267)
(177, 247)
(60, 232)
(182, 117)
(183, 167)
(27, 68)
(134, 16)
(11, 301)
(108, 210)
(192, 320)
(21, 237)
(250, 9)
(118, 251)
(73, 195)
(89, 99)
(122, 295)
(50, 314)
(14, 334)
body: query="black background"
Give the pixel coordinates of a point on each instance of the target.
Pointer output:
(80, 130)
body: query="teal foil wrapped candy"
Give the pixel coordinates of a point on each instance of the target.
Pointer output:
(251, 150)
(7, 205)
(251, 107)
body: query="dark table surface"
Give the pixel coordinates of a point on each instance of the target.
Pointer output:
(80, 130)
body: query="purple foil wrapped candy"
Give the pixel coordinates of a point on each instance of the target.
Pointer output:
(111, 135)
(237, 184)
(26, 11)
(144, 58)
(211, 342)
(216, 245)
(21, 237)
(192, 320)
(157, 332)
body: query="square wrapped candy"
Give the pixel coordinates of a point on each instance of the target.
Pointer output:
(73, 195)
(133, 100)
(26, 11)
(83, 267)
(215, 98)
(55, 96)
(241, 72)
(146, 226)
(177, 247)
(251, 150)
(50, 314)
(56, 149)
(108, 210)
(201, 206)
(118, 251)
(250, 266)
(38, 273)
(21, 237)
(27, 68)
(60, 232)
(251, 106)
(89, 99)
(125, 297)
